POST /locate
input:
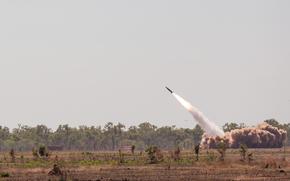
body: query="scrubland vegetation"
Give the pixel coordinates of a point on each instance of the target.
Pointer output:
(110, 137)
(144, 152)
(151, 164)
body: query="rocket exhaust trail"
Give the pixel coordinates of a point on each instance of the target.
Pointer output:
(209, 127)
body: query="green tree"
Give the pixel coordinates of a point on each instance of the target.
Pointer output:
(198, 132)
(147, 133)
(230, 126)
(274, 123)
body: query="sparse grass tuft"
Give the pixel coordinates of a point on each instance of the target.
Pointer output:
(5, 174)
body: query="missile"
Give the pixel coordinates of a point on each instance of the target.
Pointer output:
(169, 90)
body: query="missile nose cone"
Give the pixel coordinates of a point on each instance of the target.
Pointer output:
(169, 90)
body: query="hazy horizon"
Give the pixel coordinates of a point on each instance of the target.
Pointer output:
(88, 63)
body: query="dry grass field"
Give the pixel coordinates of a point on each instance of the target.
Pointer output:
(265, 164)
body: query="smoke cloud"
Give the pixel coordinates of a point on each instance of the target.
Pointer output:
(262, 136)
(209, 127)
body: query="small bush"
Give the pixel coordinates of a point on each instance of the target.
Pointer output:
(221, 148)
(34, 153)
(133, 149)
(55, 170)
(210, 156)
(243, 151)
(245, 155)
(42, 151)
(22, 159)
(154, 154)
(5, 174)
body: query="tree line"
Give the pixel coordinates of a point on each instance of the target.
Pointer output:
(110, 137)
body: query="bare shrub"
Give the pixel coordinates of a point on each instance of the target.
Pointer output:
(12, 155)
(55, 170)
(176, 154)
(250, 157)
(196, 151)
(133, 149)
(121, 157)
(270, 163)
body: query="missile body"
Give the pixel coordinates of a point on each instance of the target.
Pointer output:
(209, 127)
(169, 90)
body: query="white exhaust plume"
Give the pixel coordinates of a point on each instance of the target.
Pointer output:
(209, 127)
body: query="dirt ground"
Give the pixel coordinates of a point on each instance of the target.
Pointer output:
(267, 164)
(148, 173)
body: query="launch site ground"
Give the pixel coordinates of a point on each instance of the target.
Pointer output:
(266, 164)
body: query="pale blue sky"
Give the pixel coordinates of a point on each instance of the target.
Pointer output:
(90, 62)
